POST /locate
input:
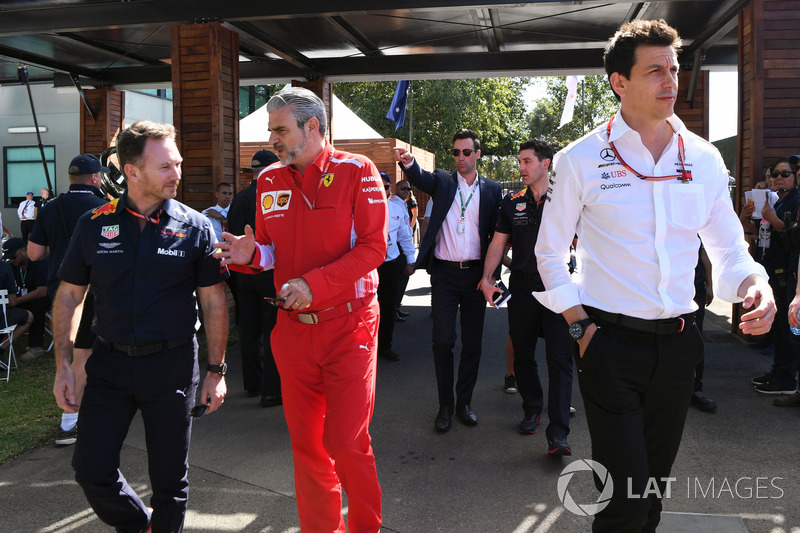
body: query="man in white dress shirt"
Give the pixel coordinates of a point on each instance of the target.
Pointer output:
(399, 244)
(27, 215)
(641, 192)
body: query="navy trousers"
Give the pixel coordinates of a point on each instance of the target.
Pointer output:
(527, 318)
(453, 289)
(163, 387)
(389, 277)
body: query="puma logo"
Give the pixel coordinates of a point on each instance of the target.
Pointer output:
(268, 179)
(364, 346)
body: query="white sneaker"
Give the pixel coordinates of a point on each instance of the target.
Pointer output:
(572, 410)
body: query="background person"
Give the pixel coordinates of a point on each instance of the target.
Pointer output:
(453, 249)
(27, 215)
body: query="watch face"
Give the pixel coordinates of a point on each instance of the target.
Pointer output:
(576, 330)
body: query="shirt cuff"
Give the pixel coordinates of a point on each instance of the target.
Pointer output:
(560, 298)
(729, 282)
(265, 256)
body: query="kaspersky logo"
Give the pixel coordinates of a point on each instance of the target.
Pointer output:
(606, 483)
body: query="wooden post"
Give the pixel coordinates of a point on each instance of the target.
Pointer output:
(100, 133)
(205, 89)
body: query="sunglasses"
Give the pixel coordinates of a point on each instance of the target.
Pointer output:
(200, 409)
(407, 188)
(783, 173)
(466, 151)
(277, 302)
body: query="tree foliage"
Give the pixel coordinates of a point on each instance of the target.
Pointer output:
(492, 107)
(596, 102)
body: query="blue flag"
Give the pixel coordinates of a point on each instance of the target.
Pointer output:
(397, 111)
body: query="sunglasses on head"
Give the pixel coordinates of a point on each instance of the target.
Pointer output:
(782, 173)
(466, 151)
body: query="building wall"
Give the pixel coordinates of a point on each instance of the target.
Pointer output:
(59, 112)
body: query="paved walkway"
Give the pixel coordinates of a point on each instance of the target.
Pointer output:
(737, 468)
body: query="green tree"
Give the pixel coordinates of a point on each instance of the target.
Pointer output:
(492, 107)
(596, 102)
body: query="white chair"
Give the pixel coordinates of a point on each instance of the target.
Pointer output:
(7, 333)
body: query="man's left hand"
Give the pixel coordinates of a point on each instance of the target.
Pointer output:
(213, 387)
(758, 297)
(296, 294)
(409, 269)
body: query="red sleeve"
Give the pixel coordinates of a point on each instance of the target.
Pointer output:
(370, 222)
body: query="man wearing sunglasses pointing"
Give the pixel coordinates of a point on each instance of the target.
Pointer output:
(465, 207)
(640, 214)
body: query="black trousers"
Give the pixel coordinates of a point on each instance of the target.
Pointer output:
(26, 227)
(636, 389)
(453, 289)
(389, 279)
(526, 318)
(402, 282)
(163, 387)
(256, 320)
(39, 307)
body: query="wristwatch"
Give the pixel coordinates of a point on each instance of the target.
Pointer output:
(217, 369)
(577, 329)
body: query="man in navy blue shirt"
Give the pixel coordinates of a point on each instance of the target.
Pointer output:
(55, 224)
(144, 255)
(31, 279)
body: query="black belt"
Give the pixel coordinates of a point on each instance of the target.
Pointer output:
(462, 265)
(137, 350)
(664, 326)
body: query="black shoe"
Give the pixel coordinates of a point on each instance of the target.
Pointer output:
(760, 380)
(466, 415)
(703, 402)
(530, 424)
(772, 387)
(67, 437)
(510, 385)
(444, 419)
(402, 314)
(389, 355)
(398, 318)
(558, 447)
(271, 401)
(253, 393)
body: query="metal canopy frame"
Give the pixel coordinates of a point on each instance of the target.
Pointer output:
(127, 44)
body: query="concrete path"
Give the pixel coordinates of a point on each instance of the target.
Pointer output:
(737, 469)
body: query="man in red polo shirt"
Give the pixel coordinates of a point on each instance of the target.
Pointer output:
(321, 221)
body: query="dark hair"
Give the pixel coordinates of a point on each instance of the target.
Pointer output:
(779, 161)
(543, 150)
(468, 134)
(131, 141)
(620, 52)
(304, 103)
(222, 184)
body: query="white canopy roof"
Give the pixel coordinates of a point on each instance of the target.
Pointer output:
(345, 125)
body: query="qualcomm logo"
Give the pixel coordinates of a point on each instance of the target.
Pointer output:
(586, 509)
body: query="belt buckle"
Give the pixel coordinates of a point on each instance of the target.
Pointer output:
(462, 265)
(308, 318)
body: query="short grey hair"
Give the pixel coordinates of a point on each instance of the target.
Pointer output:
(305, 104)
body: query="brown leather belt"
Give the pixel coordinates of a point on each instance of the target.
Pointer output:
(332, 312)
(137, 350)
(664, 326)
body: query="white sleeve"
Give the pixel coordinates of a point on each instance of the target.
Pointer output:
(559, 223)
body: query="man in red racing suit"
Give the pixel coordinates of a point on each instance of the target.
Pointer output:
(322, 221)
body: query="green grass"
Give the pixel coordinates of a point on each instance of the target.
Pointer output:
(29, 415)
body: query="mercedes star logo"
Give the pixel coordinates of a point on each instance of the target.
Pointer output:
(607, 154)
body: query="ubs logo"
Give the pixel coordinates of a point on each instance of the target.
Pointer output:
(607, 154)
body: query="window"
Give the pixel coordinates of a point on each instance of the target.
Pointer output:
(24, 172)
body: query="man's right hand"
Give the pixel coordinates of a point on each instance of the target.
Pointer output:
(402, 155)
(238, 250)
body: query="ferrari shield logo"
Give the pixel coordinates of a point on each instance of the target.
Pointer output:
(110, 232)
(327, 179)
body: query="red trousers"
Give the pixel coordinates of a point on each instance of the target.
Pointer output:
(328, 385)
